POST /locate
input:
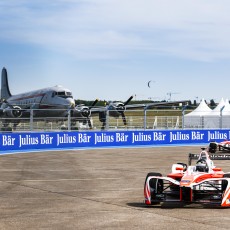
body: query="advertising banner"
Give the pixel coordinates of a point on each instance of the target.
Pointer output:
(90, 139)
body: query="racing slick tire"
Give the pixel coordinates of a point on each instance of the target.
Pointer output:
(212, 148)
(225, 183)
(156, 186)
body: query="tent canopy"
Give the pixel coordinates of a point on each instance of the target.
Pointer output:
(195, 119)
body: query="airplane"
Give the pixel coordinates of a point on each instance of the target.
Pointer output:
(117, 109)
(58, 101)
(47, 102)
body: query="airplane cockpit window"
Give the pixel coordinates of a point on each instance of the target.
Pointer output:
(68, 93)
(64, 94)
(61, 94)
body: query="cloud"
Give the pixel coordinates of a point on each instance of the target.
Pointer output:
(102, 29)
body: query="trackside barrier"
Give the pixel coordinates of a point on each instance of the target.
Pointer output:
(69, 140)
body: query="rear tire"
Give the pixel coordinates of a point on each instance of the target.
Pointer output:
(212, 148)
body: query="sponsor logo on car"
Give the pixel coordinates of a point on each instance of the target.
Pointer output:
(185, 181)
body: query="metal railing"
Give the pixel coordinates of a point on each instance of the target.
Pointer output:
(135, 119)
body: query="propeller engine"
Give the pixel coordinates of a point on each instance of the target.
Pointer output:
(11, 111)
(116, 109)
(82, 113)
(121, 109)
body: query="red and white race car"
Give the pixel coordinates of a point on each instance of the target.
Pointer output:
(221, 146)
(201, 183)
(224, 145)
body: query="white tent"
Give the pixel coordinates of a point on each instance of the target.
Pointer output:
(212, 120)
(195, 119)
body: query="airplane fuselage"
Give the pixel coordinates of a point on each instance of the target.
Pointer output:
(50, 102)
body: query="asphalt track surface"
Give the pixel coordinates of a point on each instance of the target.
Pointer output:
(96, 189)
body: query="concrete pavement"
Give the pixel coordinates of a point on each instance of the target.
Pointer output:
(95, 189)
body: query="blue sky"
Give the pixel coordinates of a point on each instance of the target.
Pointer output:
(110, 49)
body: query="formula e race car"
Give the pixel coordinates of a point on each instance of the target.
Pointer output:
(223, 146)
(202, 183)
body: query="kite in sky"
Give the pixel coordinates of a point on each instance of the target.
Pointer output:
(149, 83)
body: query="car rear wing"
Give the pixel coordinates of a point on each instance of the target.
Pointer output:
(219, 156)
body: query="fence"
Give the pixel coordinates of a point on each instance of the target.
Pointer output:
(135, 119)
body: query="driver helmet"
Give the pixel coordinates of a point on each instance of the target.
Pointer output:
(201, 166)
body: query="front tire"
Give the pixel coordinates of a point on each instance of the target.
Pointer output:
(224, 182)
(156, 186)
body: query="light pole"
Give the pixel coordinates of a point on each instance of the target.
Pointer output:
(183, 113)
(221, 116)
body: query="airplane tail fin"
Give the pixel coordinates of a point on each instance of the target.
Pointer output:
(5, 91)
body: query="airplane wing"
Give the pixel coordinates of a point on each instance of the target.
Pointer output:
(117, 109)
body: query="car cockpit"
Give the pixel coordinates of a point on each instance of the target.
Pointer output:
(202, 165)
